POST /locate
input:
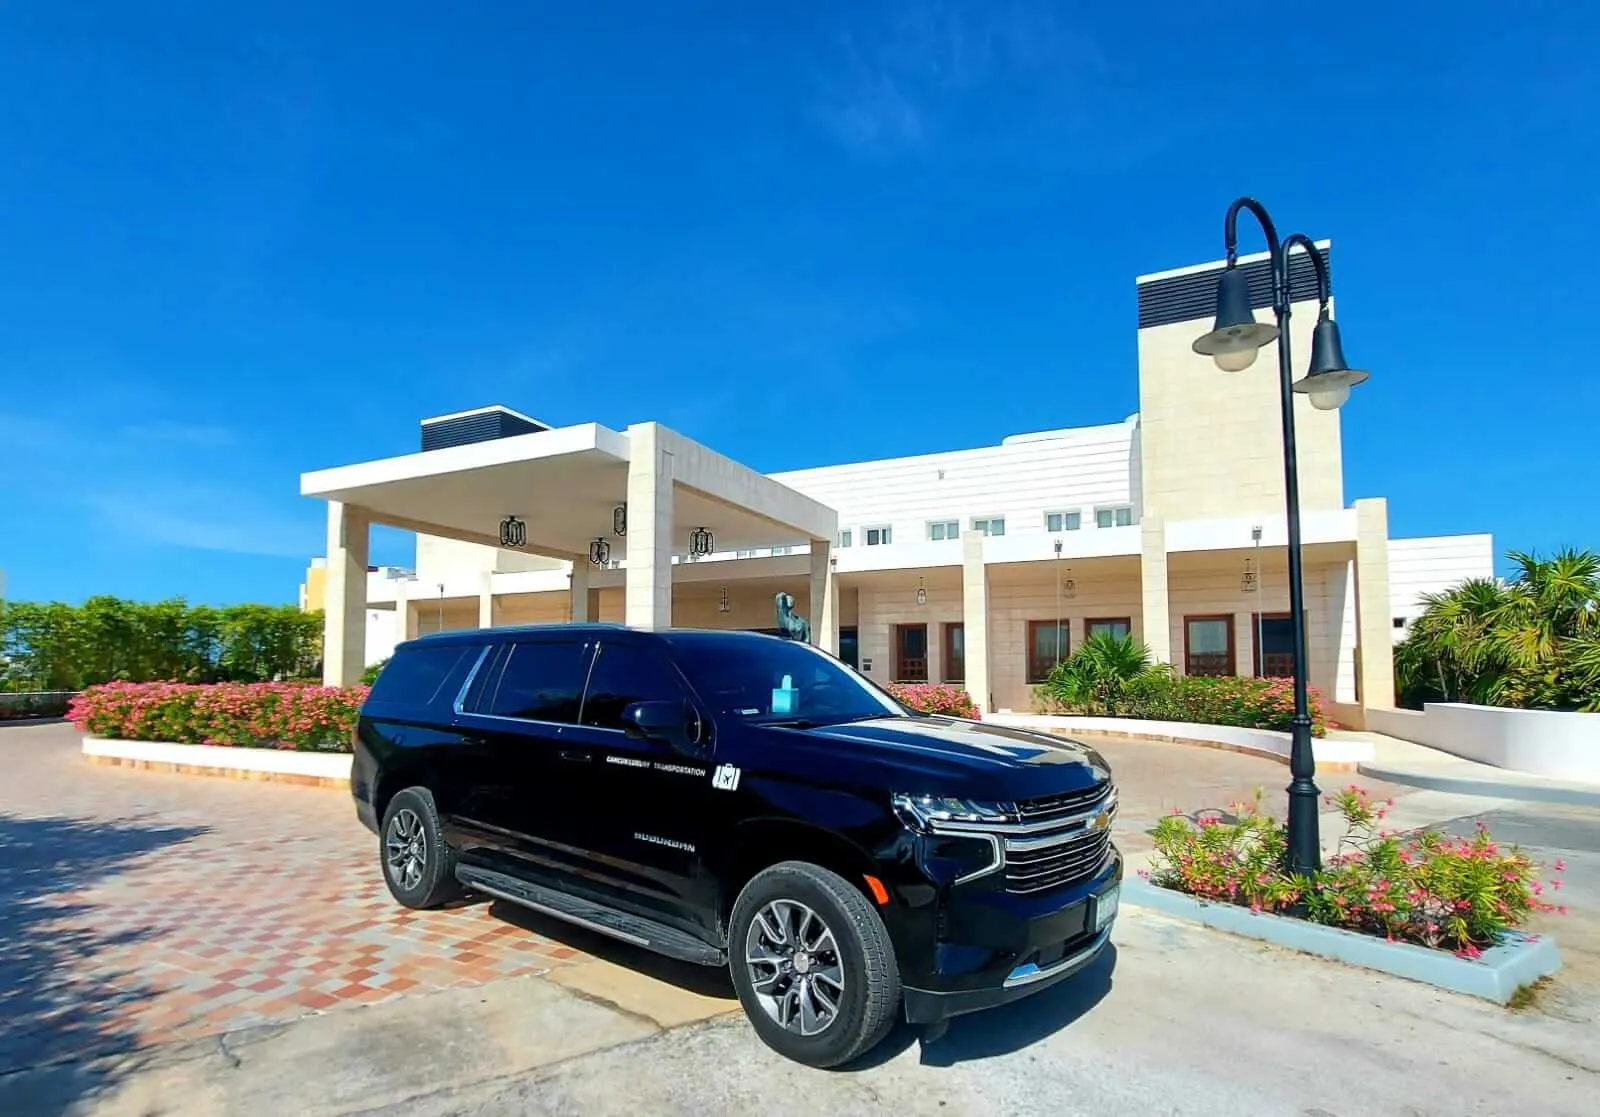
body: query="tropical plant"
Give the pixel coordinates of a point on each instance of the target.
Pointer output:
(1100, 672)
(1531, 642)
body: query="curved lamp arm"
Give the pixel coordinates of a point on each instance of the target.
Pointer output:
(1324, 284)
(1230, 232)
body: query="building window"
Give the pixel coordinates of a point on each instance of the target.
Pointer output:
(1208, 645)
(1121, 516)
(743, 554)
(955, 653)
(990, 525)
(910, 653)
(1399, 622)
(845, 538)
(1048, 644)
(781, 550)
(1274, 646)
(1063, 521)
(850, 646)
(879, 536)
(1118, 628)
(940, 530)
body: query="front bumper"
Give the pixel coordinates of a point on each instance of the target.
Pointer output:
(996, 947)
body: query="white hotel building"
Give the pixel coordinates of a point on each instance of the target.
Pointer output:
(968, 566)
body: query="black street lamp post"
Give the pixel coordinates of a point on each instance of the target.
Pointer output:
(1233, 344)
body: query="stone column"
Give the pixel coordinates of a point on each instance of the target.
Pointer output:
(578, 609)
(344, 631)
(975, 619)
(1374, 628)
(650, 530)
(405, 613)
(824, 598)
(486, 600)
(1154, 608)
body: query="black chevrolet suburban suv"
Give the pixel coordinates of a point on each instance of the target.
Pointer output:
(736, 799)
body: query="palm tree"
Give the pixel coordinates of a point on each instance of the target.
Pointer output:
(1100, 672)
(1533, 641)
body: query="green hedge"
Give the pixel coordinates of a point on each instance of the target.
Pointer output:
(1244, 701)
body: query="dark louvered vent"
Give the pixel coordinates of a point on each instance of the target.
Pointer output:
(1184, 298)
(481, 425)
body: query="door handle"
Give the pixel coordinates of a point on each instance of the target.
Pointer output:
(574, 754)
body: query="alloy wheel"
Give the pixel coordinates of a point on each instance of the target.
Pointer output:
(795, 967)
(406, 849)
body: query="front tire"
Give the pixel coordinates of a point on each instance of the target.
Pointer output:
(812, 964)
(418, 865)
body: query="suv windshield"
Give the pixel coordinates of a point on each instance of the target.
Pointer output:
(779, 680)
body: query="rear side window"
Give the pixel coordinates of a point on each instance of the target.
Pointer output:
(540, 682)
(415, 675)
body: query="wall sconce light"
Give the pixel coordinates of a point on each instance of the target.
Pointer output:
(922, 594)
(700, 541)
(1247, 580)
(1069, 588)
(599, 552)
(513, 532)
(619, 520)
(724, 605)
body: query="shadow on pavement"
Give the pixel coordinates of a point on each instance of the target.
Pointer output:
(59, 1005)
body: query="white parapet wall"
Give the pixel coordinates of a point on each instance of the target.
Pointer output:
(1553, 743)
(1341, 753)
(269, 764)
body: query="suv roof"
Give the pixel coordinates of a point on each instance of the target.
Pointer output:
(501, 632)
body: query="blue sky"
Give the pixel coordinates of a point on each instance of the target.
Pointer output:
(239, 242)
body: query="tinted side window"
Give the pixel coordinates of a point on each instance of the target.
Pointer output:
(414, 675)
(622, 675)
(542, 682)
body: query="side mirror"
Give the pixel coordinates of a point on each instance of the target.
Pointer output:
(673, 723)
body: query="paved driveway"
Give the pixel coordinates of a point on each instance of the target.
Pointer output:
(139, 908)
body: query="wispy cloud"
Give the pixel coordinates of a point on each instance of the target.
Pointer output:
(204, 518)
(933, 71)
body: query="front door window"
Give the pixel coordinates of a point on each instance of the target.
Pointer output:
(911, 653)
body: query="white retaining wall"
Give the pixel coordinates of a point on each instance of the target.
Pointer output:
(1265, 742)
(320, 765)
(1554, 743)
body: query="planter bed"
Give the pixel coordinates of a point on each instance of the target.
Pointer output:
(325, 769)
(1517, 961)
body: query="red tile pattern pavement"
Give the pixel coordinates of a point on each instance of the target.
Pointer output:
(143, 907)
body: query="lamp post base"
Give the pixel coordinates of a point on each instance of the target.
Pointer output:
(1305, 840)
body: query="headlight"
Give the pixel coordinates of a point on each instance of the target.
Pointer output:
(921, 812)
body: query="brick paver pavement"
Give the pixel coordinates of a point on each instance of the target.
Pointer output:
(142, 907)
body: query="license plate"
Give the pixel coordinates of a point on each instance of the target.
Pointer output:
(1105, 907)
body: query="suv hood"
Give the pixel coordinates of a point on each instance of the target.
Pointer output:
(954, 756)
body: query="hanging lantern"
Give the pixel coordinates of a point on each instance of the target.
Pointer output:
(1247, 580)
(700, 541)
(1069, 588)
(599, 552)
(922, 594)
(724, 605)
(513, 532)
(619, 520)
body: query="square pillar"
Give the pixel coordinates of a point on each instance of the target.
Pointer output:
(1374, 628)
(824, 597)
(648, 602)
(1154, 607)
(405, 613)
(975, 619)
(580, 608)
(486, 601)
(344, 618)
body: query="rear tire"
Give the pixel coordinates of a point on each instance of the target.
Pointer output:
(813, 965)
(418, 865)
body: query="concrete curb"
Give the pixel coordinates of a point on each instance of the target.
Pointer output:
(1570, 794)
(1496, 976)
(321, 769)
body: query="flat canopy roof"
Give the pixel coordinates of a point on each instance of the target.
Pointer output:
(564, 484)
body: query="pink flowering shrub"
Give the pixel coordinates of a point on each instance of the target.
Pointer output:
(1423, 887)
(935, 698)
(297, 716)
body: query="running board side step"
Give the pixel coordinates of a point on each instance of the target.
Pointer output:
(592, 916)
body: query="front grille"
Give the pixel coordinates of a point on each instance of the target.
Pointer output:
(1055, 856)
(1073, 859)
(1073, 802)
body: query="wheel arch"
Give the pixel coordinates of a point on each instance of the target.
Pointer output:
(761, 843)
